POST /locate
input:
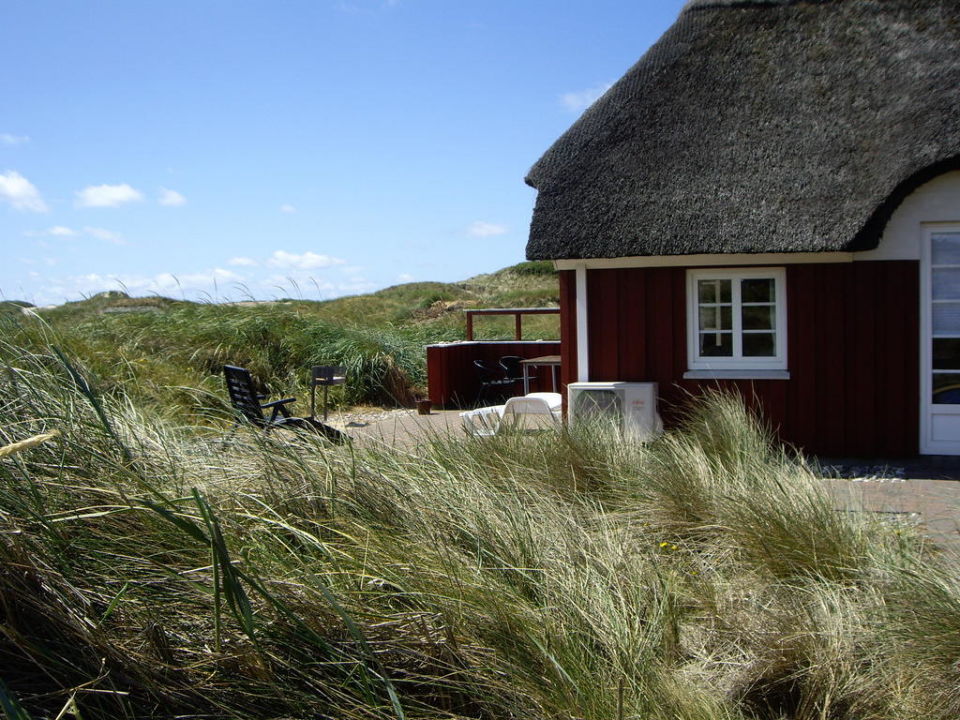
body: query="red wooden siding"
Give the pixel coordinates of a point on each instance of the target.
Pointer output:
(853, 334)
(568, 328)
(453, 380)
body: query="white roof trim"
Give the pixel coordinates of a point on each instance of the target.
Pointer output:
(731, 260)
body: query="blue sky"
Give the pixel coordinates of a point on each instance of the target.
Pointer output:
(218, 149)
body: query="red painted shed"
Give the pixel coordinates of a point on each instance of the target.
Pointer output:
(770, 200)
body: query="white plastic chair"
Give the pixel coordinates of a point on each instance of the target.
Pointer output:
(482, 422)
(531, 413)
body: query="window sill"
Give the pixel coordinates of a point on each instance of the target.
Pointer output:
(736, 375)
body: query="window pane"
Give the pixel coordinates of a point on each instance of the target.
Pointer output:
(707, 291)
(946, 354)
(757, 290)
(946, 284)
(946, 317)
(713, 291)
(709, 318)
(716, 318)
(759, 344)
(758, 317)
(714, 344)
(734, 316)
(946, 389)
(946, 249)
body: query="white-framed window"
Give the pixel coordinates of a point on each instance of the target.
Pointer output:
(737, 319)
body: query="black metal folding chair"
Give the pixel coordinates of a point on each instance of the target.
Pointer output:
(513, 368)
(492, 382)
(247, 403)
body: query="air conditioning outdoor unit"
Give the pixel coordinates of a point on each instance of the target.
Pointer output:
(631, 405)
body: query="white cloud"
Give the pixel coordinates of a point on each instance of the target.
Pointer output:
(479, 228)
(582, 99)
(194, 280)
(197, 284)
(56, 231)
(102, 234)
(296, 283)
(215, 284)
(242, 262)
(20, 193)
(306, 261)
(405, 277)
(287, 208)
(171, 198)
(299, 285)
(64, 231)
(8, 139)
(107, 195)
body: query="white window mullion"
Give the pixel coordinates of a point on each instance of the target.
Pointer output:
(737, 312)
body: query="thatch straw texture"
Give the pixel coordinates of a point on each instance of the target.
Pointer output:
(758, 126)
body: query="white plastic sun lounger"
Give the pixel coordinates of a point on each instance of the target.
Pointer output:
(530, 413)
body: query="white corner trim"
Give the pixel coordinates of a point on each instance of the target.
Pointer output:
(583, 348)
(732, 260)
(736, 375)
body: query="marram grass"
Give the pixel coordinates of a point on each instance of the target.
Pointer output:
(169, 354)
(151, 570)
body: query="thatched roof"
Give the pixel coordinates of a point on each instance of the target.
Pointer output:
(758, 126)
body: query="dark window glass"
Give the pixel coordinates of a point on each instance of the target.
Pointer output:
(716, 318)
(946, 354)
(757, 290)
(758, 317)
(707, 291)
(714, 291)
(759, 345)
(713, 344)
(946, 389)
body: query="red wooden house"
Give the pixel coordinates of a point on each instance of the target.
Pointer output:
(770, 199)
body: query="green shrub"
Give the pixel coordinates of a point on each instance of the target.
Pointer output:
(534, 267)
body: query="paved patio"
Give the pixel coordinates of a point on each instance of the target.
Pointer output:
(921, 491)
(934, 505)
(407, 429)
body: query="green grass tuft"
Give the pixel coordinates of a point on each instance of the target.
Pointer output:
(152, 568)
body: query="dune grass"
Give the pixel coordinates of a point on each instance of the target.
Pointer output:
(168, 354)
(150, 569)
(173, 359)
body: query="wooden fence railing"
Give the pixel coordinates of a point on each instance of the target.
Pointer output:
(518, 314)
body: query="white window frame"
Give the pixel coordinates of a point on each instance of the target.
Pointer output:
(737, 365)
